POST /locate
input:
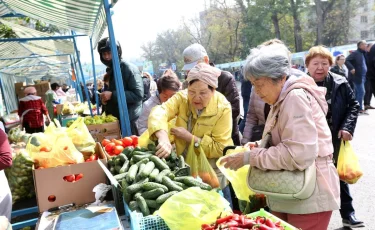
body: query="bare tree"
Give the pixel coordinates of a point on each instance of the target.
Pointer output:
(294, 5)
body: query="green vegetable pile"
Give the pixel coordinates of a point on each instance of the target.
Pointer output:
(20, 177)
(148, 181)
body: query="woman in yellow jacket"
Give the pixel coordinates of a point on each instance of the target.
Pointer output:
(203, 115)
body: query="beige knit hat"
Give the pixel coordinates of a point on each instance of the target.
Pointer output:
(204, 73)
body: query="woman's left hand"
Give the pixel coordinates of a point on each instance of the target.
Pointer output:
(182, 133)
(345, 135)
(234, 161)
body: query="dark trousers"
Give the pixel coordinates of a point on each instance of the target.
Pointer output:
(30, 130)
(347, 208)
(368, 92)
(372, 83)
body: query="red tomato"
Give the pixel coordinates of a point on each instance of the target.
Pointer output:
(117, 150)
(78, 176)
(109, 147)
(70, 178)
(93, 157)
(105, 142)
(127, 141)
(134, 139)
(45, 149)
(88, 160)
(118, 142)
(51, 198)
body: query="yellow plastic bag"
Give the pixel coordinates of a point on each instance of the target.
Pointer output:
(348, 166)
(81, 136)
(53, 148)
(144, 139)
(189, 209)
(199, 166)
(237, 178)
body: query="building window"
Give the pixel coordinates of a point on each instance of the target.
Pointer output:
(363, 19)
(364, 34)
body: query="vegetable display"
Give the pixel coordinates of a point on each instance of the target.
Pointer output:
(241, 222)
(146, 180)
(20, 177)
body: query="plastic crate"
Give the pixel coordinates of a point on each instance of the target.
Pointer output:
(183, 171)
(266, 214)
(118, 199)
(140, 222)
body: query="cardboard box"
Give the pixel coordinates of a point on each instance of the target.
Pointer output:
(105, 131)
(49, 182)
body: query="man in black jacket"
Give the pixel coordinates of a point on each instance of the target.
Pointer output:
(356, 63)
(195, 54)
(132, 83)
(370, 76)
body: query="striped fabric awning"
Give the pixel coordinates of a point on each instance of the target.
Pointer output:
(84, 16)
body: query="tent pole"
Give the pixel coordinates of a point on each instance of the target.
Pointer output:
(121, 98)
(94, 75)
(82, 75)
(72, 60)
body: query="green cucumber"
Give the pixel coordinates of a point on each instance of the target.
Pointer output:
(139, 180)
(182, 185)
(127, 151)
(133, 189)
(112, 170)
(139, 153)
(152, 185)
(133, 205)
(124, 184)
(181, 162)
(152, 204)
(125, 166)
(171, 175)
(117, 169)
(159, 163)
(140, 169)
(153, 194)
(172, 156)
(127, 196)
(142, 205)
(153, 174)
(132, 173)
(118, 162)
(171, 185)
(143, 161)
(121, 176)
(140, 157)
(191, 182)
(159, 177)
(161, 199)
(147, 169)
(122, 157)
(111, 162)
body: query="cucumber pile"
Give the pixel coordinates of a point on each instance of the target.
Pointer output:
(148, 181)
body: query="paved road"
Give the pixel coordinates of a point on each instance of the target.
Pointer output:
(363, 191)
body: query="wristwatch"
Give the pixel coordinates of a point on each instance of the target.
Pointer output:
(198, 143)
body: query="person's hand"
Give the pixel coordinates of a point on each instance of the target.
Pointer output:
(250, 145)
(345, 135)
(234, 161)
(182, 133)
(352, 71)
(164, 148)
(4, 222)
(106, 96)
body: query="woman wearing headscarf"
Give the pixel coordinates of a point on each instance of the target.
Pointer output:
(203, 116)
(299, 137)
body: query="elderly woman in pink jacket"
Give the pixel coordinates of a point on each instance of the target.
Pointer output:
(300, 136)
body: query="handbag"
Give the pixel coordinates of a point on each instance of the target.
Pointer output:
(283, 184)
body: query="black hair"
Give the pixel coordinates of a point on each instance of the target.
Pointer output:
(195, 80)
(54, 86)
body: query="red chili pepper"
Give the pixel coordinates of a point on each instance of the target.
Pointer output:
(242, 219)
(260, 220)
(207, 227)
(236, 217)
(236, 228)
(269, 223)
(229, 224)
(262, 227)
(248, 223)
(224, 219)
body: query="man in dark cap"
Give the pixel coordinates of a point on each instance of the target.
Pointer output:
(132, 83)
